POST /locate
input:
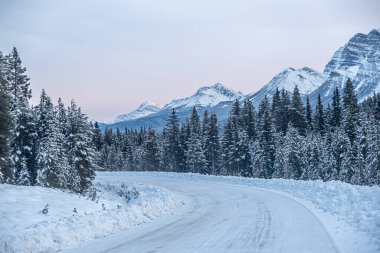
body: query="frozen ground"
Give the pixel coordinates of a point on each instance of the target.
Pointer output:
(217, 214)
(230, 214)
(24, 228)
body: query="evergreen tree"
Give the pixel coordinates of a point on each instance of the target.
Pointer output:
(309, 114)
(277, 110)
(294, 163)
(248, 120)
(172, 148)
(46, 160)
(150, 151)
(319, 117)
(23, 146)
(18, 81)
(297, 112)
(336, 116)
(81, 150)
(6, 171)
(265, 155)
(373, 159)
(350, 106)
(212, 145)
(97, 137)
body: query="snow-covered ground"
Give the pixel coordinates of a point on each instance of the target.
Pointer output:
(350, 213)
(207, 214)
(24, 228)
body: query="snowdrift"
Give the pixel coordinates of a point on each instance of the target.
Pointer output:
(118, 206)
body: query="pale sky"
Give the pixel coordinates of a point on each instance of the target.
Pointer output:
(112, 55)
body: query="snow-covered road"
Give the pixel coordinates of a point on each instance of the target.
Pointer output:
(221, 217)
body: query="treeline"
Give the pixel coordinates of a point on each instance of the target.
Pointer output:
(283, 138)
(45, 145)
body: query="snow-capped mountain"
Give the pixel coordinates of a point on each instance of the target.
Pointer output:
(306, 79)
(205, 97)
(143, 110)
(358, 60)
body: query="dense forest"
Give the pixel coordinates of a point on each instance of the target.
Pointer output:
(283, 138)
(44, 145)
(56, 146)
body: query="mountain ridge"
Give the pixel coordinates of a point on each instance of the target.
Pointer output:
(358, 59)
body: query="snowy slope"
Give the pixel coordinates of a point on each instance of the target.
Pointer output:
(306, 79)
(24, 228)
(146, 108)
(358, 60)
(205, 97)
(234, 214)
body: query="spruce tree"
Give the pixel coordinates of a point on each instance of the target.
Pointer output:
(6, 171)
(150, 151)
(265, 156)
(18, 81)
(319, 120)
(212, 145)
(336, 116)
(248, 120)
(172, 148)
(47, 150)
(293, 156)
(80, 148)
(350, 106)
(297, 112)
(309, 113)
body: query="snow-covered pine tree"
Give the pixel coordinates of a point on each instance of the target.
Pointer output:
(361, 142)
(212, 146)
(266, 148)
(279, 162)
(312, 157)
(328, 157)
(336, 116)
(172, 148)
(319, 119)
(80, 147)
(372, 173)
(285, 110)
(297, 112)
(22, 146)
(244, 161)
(294, 162)
(195, 155)
(184, 137)
(309, 114)
(351, 111)
(150, 151)
(248, 120)
(277, 110)
(52, 164)
(18, 81)
(6, 170)
(47, 149)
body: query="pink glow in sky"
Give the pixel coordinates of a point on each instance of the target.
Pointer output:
(112, 55)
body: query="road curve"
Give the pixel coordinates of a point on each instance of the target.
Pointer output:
(221, 218)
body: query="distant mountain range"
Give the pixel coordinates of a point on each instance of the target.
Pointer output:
(358, 59)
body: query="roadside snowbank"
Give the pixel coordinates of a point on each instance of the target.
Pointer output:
(350, 213)
(119, 205)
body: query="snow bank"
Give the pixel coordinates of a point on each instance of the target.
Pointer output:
(24, 228)
(350, 213)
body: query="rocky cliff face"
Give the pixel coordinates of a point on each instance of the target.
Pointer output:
(358, 60)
